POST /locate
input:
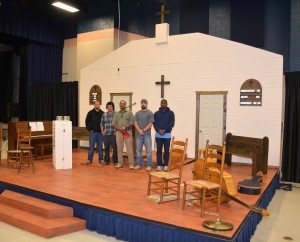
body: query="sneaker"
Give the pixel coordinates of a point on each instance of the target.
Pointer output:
(88, 162)
(149, 168)
(165, 168)
(101, 161)
(159, 168)
(131, 167)
(137, 167)
(118, 166)
(104, 163)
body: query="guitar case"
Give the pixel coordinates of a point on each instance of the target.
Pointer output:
(250, 186)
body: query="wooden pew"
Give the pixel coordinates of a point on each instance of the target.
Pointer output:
(254, 148)
(80, 133)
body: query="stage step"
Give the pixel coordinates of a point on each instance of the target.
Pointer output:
(37, 216)
(34, 205)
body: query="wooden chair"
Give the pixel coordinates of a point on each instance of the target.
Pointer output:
(205, 191)
(167, 184)
(22, 156)
(228, 185)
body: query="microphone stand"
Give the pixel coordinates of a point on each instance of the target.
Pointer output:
(131, 105)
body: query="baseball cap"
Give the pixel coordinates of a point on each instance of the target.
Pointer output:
(144, 101)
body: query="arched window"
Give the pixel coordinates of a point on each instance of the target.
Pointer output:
(251, 93)
(95, 94)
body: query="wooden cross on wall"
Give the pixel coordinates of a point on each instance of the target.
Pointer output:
(162, 13)
(162, 84)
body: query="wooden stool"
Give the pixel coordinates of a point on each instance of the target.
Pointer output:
(26, 158)
(41, 149)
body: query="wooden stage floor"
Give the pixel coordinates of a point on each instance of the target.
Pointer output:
(124, 191)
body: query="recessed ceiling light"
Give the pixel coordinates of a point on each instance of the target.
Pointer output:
(65, 7)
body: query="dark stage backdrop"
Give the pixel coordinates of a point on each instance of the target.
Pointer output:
(194, 16)
(291, 138)
(39, 37)
(48, 100)
(6, 81)
(247, 22)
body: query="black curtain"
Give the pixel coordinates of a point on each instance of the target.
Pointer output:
(27, 22)
(49, 100)
(44, 63)
(6, 81)
(40, 36)
(23, 89)
(291, 138)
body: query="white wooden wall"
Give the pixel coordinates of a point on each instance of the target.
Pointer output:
(193, 62)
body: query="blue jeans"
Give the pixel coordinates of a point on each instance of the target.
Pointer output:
(140, 141)
(160, 144)
(110, 141)
(95, 137)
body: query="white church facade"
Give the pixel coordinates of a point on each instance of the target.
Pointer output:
(197, 66)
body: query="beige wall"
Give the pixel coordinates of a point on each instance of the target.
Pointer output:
(70, 60)
(89, 47)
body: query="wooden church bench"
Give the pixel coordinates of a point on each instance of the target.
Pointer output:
(80, 133)
(254, 148)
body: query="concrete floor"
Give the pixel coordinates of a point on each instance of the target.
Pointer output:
(283, 223)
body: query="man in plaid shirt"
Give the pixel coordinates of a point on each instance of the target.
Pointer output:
(109, 135)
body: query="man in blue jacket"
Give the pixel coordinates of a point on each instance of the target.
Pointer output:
(164, 120)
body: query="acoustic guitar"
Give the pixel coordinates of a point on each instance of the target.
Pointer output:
(253, 208)
(227, 182)
(228, 190)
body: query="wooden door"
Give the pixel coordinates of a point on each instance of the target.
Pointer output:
(211, 119)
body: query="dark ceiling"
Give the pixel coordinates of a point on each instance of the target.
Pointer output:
(45, 5)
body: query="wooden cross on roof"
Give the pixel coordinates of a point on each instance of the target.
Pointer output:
(163, 12)
(162, 84)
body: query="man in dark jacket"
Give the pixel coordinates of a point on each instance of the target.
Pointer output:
(92, 123)
(164, 120)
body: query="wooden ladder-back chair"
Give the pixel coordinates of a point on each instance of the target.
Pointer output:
(22, 156)
(205, 191)
(167, 184)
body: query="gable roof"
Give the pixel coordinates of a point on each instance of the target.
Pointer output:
(197, 47)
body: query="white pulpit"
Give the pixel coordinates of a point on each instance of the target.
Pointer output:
(62, 144)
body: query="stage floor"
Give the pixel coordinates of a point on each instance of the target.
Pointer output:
(124, 191)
